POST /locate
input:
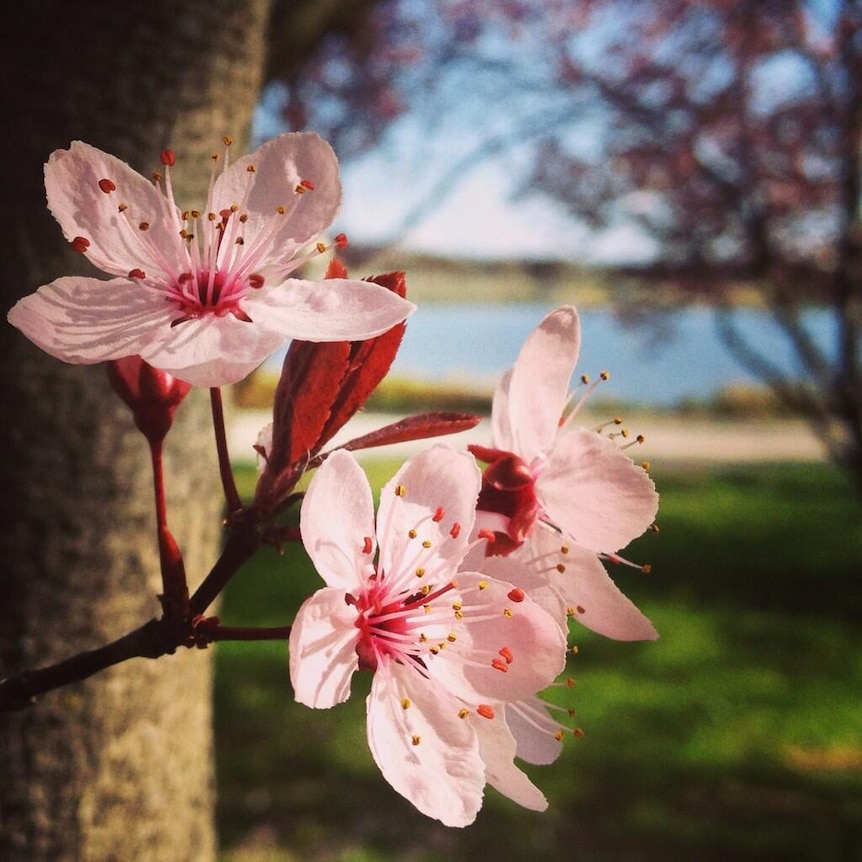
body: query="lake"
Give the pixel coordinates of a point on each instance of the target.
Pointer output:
(677, 355)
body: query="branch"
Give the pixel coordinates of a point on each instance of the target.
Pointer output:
(152, 640)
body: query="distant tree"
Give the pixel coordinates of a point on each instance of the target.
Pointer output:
(727, 130)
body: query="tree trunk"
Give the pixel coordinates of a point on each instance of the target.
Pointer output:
(118, 767)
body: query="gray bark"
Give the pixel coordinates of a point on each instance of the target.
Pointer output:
(118, 767)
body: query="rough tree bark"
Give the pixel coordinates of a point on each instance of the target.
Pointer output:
(118, 767)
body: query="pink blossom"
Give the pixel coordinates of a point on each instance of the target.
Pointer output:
(204, 295)
(447, 653)
(569, 582)
(543, 468)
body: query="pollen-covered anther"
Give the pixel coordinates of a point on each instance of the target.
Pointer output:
(516, 595)
(321, 247)
(420, 572)
(400, 490)
(578, 732)
(411, 534)
(645, 465)
(416, 739)
(560, 568)
(107, 186)
(251, 169)
(227, 140)
(605, 375)
(485, 711)
(426, 543)
(508, 613)
(144, 225)
(80, 244)
(451, 637)
(463, 712)
(559, 736)
(405, 703)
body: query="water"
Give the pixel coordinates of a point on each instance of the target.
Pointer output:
(676, 355)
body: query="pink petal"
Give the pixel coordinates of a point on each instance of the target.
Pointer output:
(425, 750)
(534, 731)
(506, 648)
(323, 649)
(334, 309)
(593, 492)
(336, 518)
(539, 387)
(437, 479)
(501, 428)
(86, 320)
(280, 165)
(117, 245)
(599, 604)
(498, 748)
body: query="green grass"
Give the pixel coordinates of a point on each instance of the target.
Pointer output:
(737, 735)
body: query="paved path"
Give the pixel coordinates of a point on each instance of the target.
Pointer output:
(667, 438)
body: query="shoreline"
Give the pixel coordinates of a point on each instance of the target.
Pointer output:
(668, 439)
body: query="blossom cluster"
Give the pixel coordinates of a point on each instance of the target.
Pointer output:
(458, 592)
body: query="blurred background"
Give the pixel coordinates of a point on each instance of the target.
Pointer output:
(686, 172)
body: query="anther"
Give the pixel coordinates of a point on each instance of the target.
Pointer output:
(80, 244)
(366, 545)
(340, 240)
(605, 375)
(405, 703)
(463, 713)
(416, 739)
(508, 612)
(437, 517)
(321, 247)
(107, 186)
(485, 711)
(167, 158)
(516, 595)
(144, 225)
(137, 273)
(560, 568)
(426, 544)
(507, 654)
(251, 169)
(255, 281)
(500, 664)
(227, 140)
(420, 572)
(411, 534)
(488, 536)
(455, 531)
(400, 490)
(578, 732)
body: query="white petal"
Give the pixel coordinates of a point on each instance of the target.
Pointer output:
(280, 164)
(497, 747)
(117, 245)
(86, 320)
(538, 390)
(595, 493)
(425, 751)
(337, 516)
(438, 478)
(323, 649)
(334, 309)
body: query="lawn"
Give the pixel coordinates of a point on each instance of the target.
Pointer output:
(737, 735)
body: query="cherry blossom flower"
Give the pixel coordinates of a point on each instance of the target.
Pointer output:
(204, 295)
(543, 468)
(569, 582)
(446, 653)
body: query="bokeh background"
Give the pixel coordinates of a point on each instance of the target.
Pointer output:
(686, 172)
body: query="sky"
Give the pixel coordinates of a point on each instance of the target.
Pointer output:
(478, 217)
